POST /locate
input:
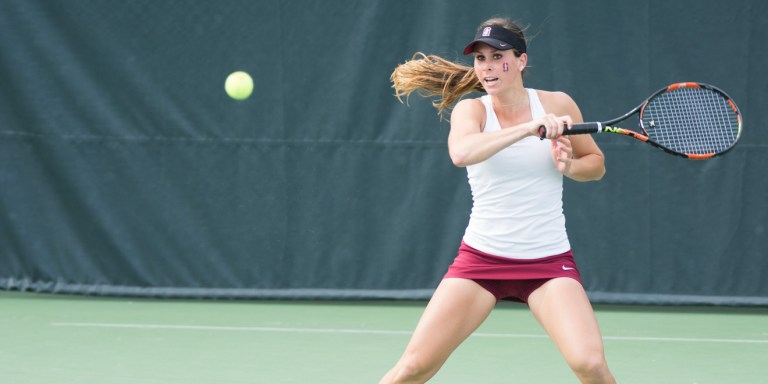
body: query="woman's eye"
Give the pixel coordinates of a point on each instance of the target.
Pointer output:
(497, 56)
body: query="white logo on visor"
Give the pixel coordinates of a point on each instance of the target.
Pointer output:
(486, 31)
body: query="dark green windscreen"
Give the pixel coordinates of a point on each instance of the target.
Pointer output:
(126, 170)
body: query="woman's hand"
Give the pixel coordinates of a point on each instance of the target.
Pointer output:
(562, 154)
(554, 125)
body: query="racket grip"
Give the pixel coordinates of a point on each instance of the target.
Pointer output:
(582, 128)
(576, 129)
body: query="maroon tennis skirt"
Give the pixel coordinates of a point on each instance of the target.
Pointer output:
(508, 278)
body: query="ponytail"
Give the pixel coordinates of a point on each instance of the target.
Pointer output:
(433, 76)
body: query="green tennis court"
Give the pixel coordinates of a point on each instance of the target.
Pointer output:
(85, 340)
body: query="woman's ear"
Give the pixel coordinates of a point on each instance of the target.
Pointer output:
(522, 61)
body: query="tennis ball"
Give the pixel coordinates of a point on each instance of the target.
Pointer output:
(239, 85)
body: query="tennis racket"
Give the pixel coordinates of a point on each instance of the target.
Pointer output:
(694, 120)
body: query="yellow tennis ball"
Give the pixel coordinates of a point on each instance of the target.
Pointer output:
(239, 85)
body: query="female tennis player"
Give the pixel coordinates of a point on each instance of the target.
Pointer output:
(515, 246)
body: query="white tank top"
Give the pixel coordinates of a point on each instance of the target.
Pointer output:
(517, 196)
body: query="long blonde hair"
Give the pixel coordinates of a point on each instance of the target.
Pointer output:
(431, 76)
(434, 76)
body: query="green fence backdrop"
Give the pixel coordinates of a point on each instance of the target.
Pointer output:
(126, 170)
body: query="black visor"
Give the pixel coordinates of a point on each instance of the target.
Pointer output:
(498, 37)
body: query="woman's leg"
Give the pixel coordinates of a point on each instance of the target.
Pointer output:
(561, 306)
(456, 309)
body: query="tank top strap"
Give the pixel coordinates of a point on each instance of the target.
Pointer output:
(491, 121)
(537, 109)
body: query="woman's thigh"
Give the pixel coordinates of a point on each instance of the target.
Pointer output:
(562, 308)
(455, 310)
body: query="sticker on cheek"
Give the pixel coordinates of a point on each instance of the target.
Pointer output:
(505, 67)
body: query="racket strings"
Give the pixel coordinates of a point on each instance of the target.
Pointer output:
(691, 121)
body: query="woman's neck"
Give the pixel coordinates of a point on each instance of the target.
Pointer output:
(514, 99)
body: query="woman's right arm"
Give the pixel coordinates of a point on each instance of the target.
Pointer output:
(468, 145)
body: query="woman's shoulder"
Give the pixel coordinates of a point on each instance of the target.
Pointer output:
(469, 110)
(554, 96)
(474, 102)
(556, 101)
(473, 105)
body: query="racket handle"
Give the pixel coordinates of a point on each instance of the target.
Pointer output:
(582, 128)
(576, 129)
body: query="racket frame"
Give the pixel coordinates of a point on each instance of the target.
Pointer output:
(609, 125)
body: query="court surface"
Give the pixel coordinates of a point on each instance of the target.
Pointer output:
(87, 340)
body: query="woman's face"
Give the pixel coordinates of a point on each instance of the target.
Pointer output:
(497, 69)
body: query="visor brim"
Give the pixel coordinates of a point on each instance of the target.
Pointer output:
(498, 44)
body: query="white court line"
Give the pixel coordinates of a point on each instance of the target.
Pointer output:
(230, 328)
(386, 332)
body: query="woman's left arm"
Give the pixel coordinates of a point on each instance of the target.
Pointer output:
(577, 157)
